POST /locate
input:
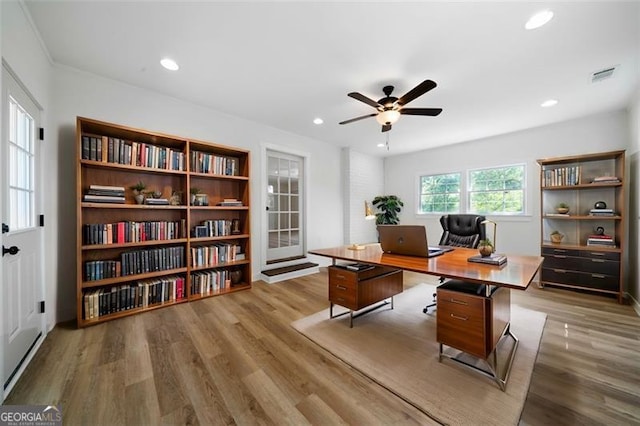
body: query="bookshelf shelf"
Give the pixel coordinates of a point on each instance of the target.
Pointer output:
(111, 159)
(589, 257)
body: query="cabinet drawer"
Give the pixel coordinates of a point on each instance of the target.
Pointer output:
(561, 276)
(559, 251)
(462, 326)
(343, 278)
(343, 296)
(600, 281)
(600, 266)
(560, 261)
(608, 255)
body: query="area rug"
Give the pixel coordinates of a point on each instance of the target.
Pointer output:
(397, 348)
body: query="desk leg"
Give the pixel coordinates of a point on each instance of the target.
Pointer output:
(492, 369)
(364, 311)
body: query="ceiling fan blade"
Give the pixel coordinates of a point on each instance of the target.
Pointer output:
(386, 127)
(358, 118)
(362, 98)
(421, 111)
(419, 90)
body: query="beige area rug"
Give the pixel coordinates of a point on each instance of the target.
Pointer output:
(398, 349)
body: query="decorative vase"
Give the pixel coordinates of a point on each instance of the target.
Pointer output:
(556, 238)
(139, 198)
(485, 250)
(236, 276)
(562, 210)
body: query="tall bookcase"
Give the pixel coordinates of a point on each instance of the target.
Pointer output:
(134, 257)
(589, 255)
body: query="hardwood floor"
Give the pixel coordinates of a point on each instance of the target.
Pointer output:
(236, 360)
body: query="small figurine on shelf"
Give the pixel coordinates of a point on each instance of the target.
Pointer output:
(176, 198)
(138, 191)
(194, 191)
(556, 237)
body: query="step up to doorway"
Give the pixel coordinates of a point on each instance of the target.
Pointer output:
(287, 272)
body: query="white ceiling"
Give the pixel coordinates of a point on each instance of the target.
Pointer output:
(284, 63)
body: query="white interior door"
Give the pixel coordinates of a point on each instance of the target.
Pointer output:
(285, 236)
(21, 285)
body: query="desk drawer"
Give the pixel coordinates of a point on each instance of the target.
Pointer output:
(561, 262)
(561, 276)
(343, 278)
(608, 255)
(550, 251)
(599, 266)
(600, 281)
(461, 322)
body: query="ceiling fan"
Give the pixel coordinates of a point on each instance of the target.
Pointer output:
(390, 108)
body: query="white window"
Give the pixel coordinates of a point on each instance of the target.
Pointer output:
(440, 193)
(497, 190)
(21, 168)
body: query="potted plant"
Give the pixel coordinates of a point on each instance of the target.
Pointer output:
(138, 191)
(485, 247)
(556, 237)
(562, 208)
(390, 205)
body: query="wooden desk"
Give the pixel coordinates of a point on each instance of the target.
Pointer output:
(517, 273)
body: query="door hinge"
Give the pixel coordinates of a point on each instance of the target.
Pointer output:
(42, 306)
(41, 220)
(5, 228)
(41, 133)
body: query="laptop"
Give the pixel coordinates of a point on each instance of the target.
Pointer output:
(409, 240)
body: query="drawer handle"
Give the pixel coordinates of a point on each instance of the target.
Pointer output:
(595, 253)
(459, 302)
(560, 271)
(340, 276)
(559, 251)
(598, 260)
(597, 276)
(459, 317)
(560, 257)
(341, 287)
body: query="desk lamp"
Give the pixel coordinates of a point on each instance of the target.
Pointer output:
(495, 225)
(368, 215)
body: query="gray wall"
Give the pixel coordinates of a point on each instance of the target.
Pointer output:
(633, 156)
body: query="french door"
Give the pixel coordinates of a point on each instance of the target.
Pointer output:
(285, 231)
(21, 281)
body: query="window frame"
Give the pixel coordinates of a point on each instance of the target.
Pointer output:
(468, 191)
(460, 192)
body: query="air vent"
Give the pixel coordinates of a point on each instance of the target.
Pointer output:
(602, 74)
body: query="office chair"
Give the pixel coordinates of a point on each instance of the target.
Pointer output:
(460, 230)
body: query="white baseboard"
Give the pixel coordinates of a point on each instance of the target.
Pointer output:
(634, 303)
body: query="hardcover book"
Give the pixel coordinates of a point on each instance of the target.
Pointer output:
(493, 259)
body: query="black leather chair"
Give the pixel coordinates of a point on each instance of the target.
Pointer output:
(460, 230)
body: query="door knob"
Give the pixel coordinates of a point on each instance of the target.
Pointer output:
(11, 250)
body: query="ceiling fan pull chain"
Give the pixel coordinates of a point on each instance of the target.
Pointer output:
(387, 144)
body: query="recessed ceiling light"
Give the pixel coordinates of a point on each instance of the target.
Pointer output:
(380, 145)
(549, 103)
(539, 19)
(318, 121)
(169, 64)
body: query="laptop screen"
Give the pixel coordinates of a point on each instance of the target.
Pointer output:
(409, 240)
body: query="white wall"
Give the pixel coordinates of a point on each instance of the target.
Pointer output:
(23, 53)
(633, 157)
(364, 180)
(606, 132)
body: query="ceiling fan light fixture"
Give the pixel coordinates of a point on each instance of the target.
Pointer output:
(539, 19)
(389, 116)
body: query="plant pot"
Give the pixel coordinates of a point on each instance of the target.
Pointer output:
(562, 210)
(485, 251)
(139, 198)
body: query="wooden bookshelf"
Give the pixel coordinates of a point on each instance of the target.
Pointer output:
(132, 258)
(582, 181)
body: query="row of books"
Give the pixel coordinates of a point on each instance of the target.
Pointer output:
(208, 282)
(561, 176)
(142, 294)
(605, 179)
(203, 162)
(213, 228)
(136, 262)
(230, 202)
(601, 240)
(133, 232)
(602, 212)
(114, 150)
(104, 194)
(215, 254)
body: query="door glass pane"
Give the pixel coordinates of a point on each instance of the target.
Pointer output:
(294, 203)
(284, 168)
(294, 220)
(284, 203)
(284, 239)
(273, 221)
(272, 166)
(295, 238)
(21, 170)
(294, 186)
(284, 185)
(273, 239)
(284, 220)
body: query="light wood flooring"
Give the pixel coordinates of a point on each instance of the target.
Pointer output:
(236, 360)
